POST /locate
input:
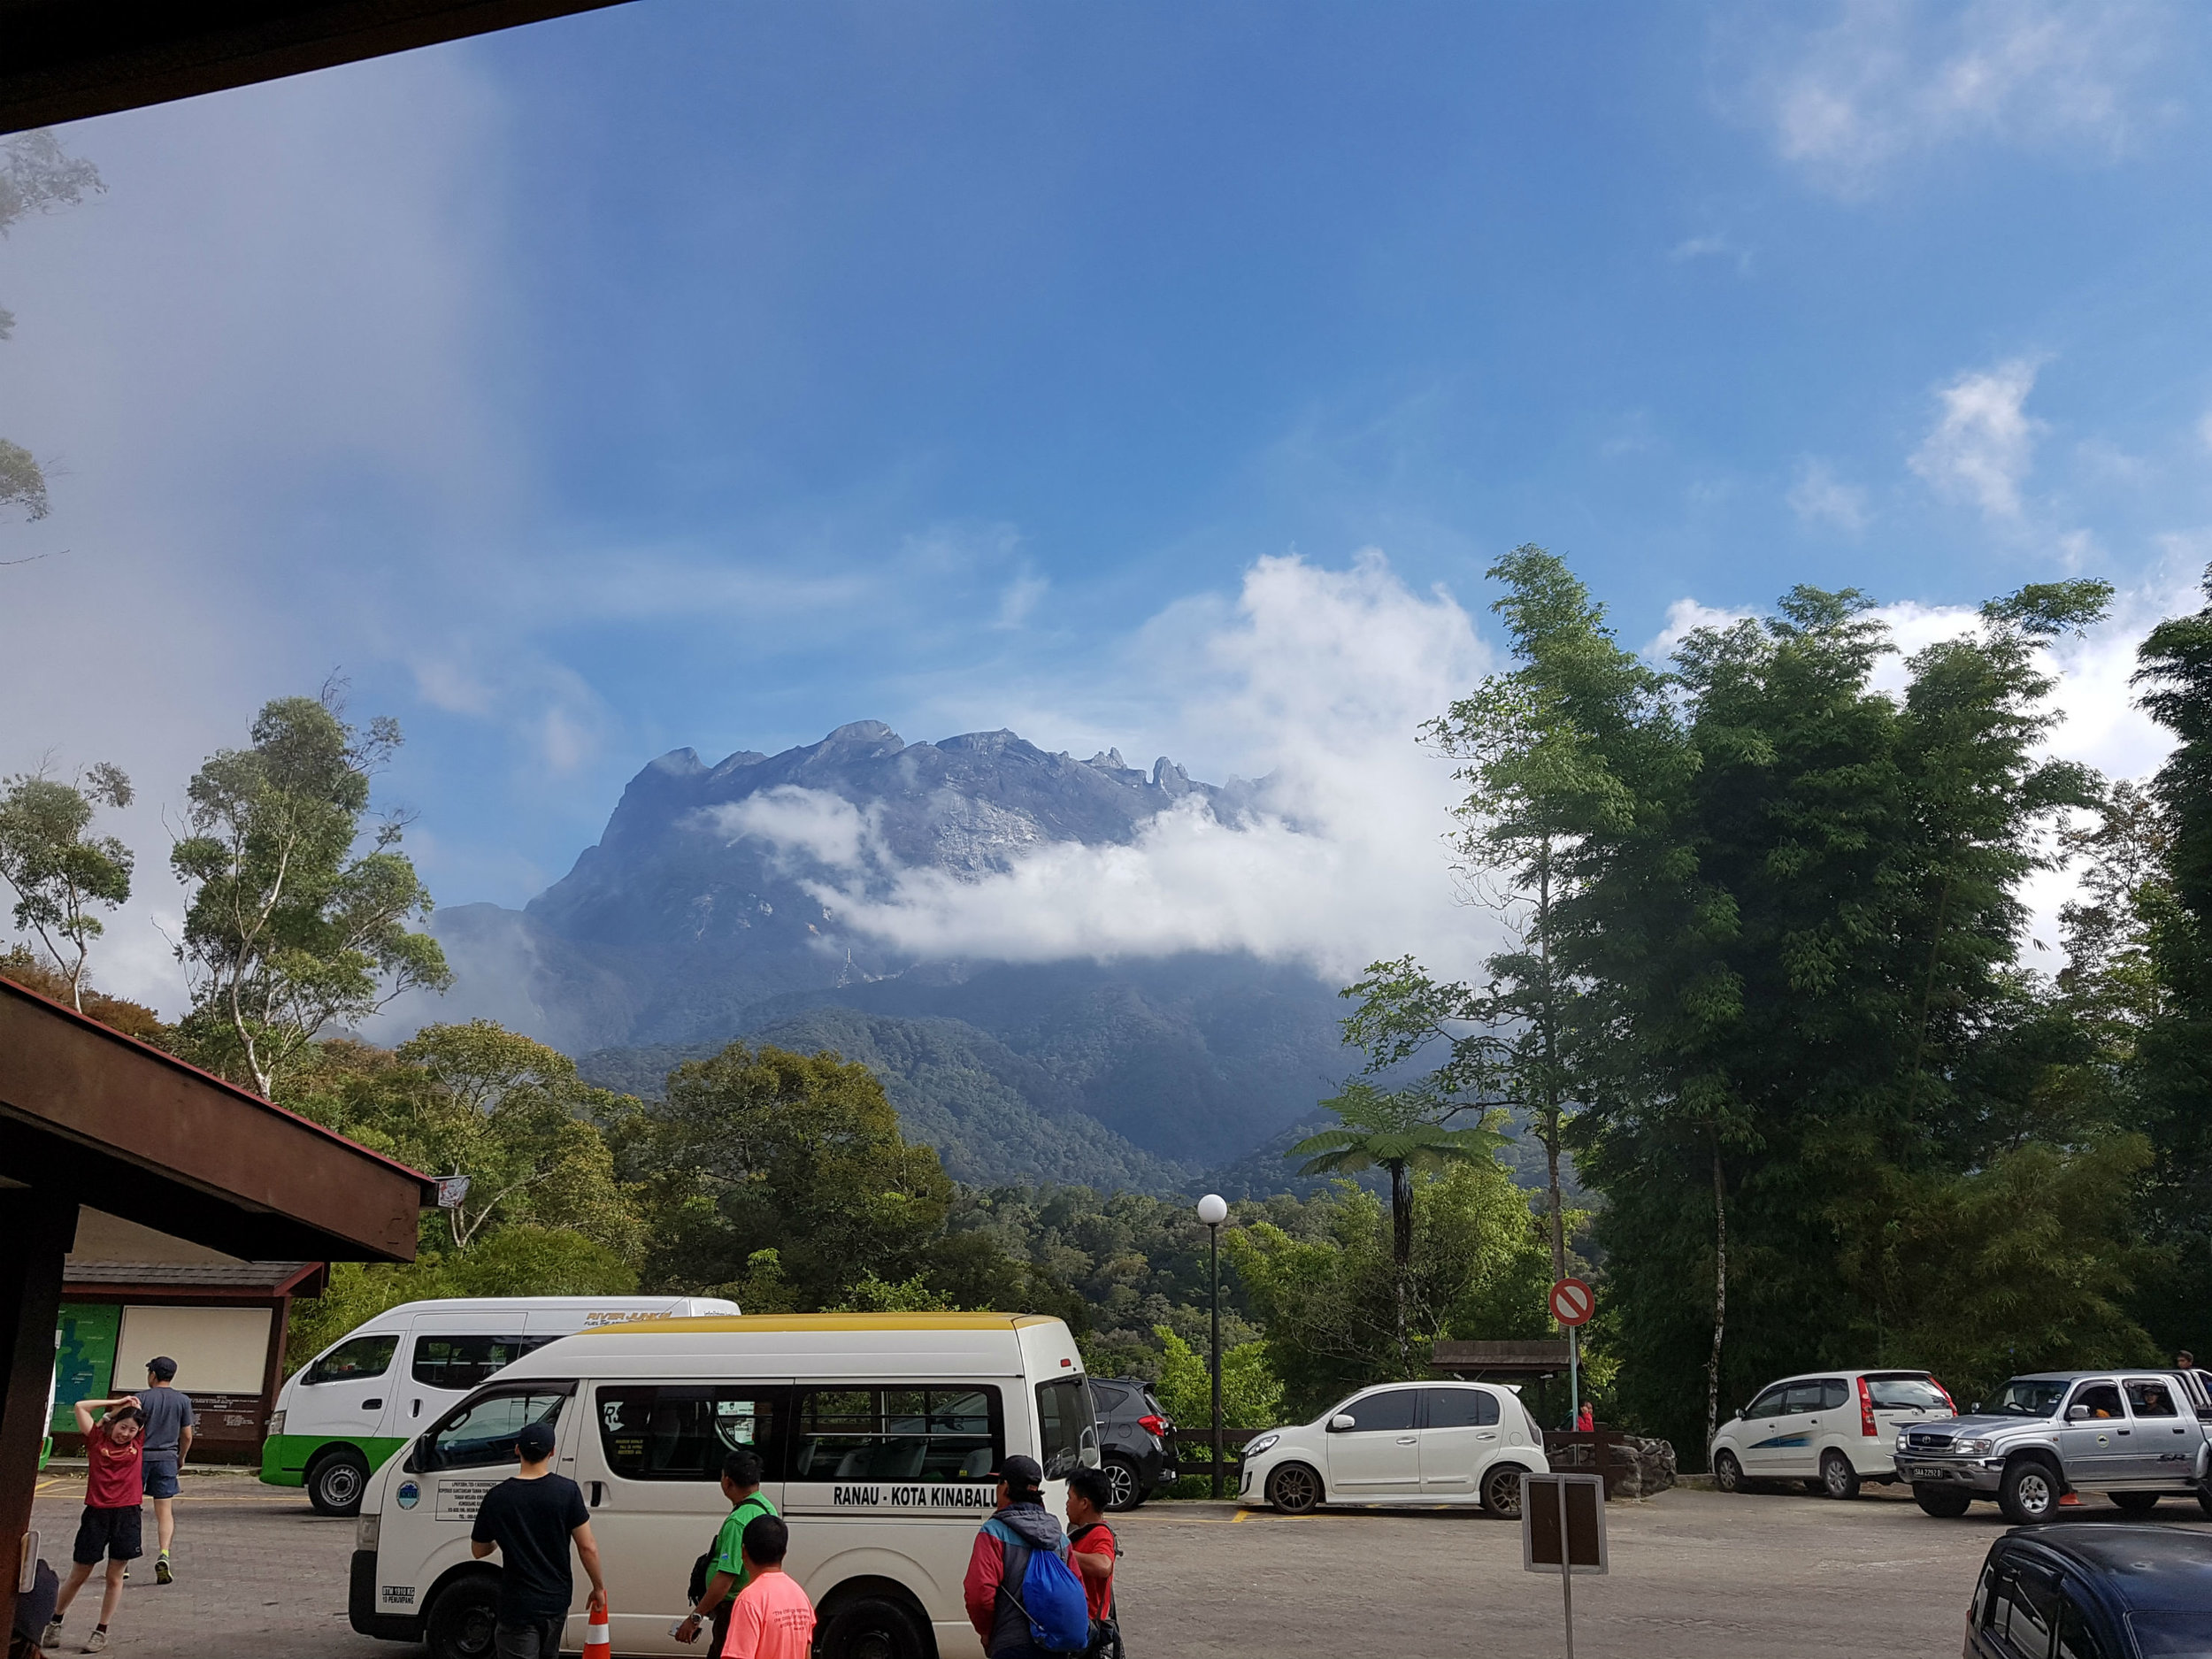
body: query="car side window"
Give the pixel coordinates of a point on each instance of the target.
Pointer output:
(1385, 1412)
(482, 1431)
(1462, 1408)
(2024, 1610)
(1804, 1396)
(1834, 1393)
(1768, 1404)
(363, 1358)
(2098, 1400)
(464, 1362)
(2076, 1639)
(2147, 1397)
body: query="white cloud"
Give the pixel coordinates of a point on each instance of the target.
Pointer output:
(1818, 496)
(1888, 79)
(1686, 616)
(1319, 678)
(1983, 445)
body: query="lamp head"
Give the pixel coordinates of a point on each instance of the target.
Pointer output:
(1213, 1210)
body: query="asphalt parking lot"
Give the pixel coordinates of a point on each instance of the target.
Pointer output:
(1694, 1574)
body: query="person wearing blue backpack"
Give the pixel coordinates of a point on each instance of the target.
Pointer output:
(1024, 1599)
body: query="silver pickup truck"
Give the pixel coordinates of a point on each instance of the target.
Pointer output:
(2135, 1435)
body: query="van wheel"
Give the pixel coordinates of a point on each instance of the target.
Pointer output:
(1294, 1489)
(1945, 1502)
(1501, 1492)
(1125, 1486)
(460, 1622)
(335, 1483)
(2135, 1502)
(872, 1627)
(1838, 1478)
(2029, 1492)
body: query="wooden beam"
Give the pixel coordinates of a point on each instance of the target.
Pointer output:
(39, 1228)
(63, 60)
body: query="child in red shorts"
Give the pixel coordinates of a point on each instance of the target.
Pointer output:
(115, 1492)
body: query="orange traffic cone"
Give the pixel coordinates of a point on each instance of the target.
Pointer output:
(596, 1642)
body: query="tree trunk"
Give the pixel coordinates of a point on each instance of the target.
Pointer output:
(1401, 1254)
(1720, 1292)
(1549, 1029)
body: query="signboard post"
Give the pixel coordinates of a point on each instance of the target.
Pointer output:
(1563, 1531)
(1571, 1304)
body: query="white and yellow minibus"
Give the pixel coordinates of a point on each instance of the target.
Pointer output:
(878, 1433)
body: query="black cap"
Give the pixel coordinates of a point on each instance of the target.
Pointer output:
(536, 1442)
(162, 1366)
(1020, 1471)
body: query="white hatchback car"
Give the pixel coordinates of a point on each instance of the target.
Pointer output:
(1830, 1429)
(1461, 1443)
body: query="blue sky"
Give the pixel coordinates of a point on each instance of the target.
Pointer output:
(713, 374)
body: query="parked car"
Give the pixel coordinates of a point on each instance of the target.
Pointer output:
(2135, 1435)
(1458, 1443)
(2125, 1591)
(1132, 1438)
(1830, 1430)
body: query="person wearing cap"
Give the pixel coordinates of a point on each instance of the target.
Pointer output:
(530, 1518)
(1022, 1525)
(169, 1423)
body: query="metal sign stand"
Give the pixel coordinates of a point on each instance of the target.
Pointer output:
(1551, 1502)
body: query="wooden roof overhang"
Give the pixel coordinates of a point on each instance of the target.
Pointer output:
(63, 60)
(89, 1114)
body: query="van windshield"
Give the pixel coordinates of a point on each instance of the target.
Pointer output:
(2027, 1397)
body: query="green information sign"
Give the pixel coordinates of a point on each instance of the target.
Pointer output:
(84, 1365)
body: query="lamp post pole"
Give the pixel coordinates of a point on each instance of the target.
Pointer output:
(1213, 1211)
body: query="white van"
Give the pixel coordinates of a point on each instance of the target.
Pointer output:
(878, 1433)
(345, 1412)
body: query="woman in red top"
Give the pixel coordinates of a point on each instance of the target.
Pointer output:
(115, 1490)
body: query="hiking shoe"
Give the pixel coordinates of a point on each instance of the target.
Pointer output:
(97, 1642)
(162, 1574)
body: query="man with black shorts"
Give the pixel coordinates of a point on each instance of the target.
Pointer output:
(531, 1519)
(169, 1429)
(115, 1488)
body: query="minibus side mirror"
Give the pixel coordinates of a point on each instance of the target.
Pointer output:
(1342, 1421)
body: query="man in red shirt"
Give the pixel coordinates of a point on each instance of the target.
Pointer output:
(115, 1490)
(772, 1618)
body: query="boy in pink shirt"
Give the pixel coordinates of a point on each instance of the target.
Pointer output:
(772, 1618)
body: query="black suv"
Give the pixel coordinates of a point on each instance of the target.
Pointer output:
(1132, 1438)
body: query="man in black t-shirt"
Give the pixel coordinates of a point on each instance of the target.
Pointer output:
(530, 1521)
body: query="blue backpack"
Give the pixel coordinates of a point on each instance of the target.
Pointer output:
(1051, 1596)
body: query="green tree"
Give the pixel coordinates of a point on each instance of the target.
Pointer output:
(57, 869)
(764, 1149)
(1251, 1394)
(290, 926)
(36, 176)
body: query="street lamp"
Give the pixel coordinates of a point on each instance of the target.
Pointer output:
(1213, 1210)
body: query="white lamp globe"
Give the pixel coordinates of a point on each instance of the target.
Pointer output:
(1213, 1210)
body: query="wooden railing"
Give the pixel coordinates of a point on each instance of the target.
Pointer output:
(1233, 1444)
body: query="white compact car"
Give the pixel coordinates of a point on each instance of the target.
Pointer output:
(1461, 1443)
(1830, 1430)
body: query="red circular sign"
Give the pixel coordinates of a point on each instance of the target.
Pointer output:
(1571, 1302)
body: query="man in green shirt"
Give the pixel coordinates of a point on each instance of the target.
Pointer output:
(740, 1485)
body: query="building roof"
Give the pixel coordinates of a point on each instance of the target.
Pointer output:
(268, 1278)
(68, 59)
(89, 1114)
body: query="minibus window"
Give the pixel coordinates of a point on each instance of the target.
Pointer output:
(1066, 1423)
(351, 1361)
(483, 1431)
(463, 1362)
(682, 1431)
(915, 1434)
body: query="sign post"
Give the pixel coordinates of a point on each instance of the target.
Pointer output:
(1571, 1304)
(1563, 1531)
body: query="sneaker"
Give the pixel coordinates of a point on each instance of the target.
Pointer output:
(97, 1642)
(162, 1574)
(53, 1632)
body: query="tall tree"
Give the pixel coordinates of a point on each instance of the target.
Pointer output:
(292, 926)
(1403, 1133)
(57, 869)
(36, 176)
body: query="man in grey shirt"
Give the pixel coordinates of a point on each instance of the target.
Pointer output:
(169, 1424)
